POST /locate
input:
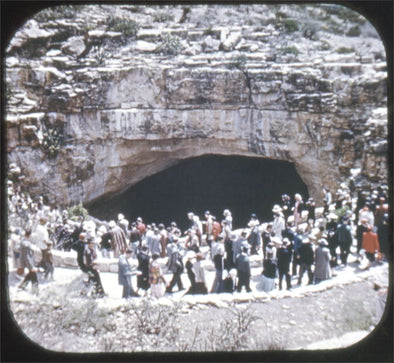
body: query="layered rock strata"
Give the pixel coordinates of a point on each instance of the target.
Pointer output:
(91, 113)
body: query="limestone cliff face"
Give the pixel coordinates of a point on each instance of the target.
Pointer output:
(94, 107)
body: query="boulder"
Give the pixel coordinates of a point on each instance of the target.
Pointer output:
(75, 46)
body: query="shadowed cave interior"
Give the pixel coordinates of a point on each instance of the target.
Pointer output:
(212, 182)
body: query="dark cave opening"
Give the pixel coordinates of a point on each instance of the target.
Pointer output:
(242, 184)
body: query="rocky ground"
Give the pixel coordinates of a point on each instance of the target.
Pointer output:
(336, 313)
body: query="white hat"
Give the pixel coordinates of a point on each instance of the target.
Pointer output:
(112, 224)
(277, 209)
(233, 273)
(120, 216)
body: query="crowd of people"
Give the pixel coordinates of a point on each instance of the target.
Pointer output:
(295, 241)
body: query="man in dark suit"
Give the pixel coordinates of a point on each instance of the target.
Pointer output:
(243, 270)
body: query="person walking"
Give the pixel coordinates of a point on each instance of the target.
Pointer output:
(278, 224)
(42, 237)
(199, 273)
(175, 264)
(269, 271)
(297, 209)
(370, 243)
(243, 269)
(284, 254)
(90, 257)
(237, 245)
(190, 256)
(48, 261)
(143, 266)
(254, 238)
(79, 247)
(124, 274)
(306, 259)
(157, 281)
(344, 239)
(118, 239)
(27, 261)
(322, 262)
(217, 258)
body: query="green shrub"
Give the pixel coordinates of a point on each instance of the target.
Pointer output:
(127, 27)
(309, 31)
(290, 50)
(77, 211)
(58, 12)
(341, 212)
(171, 45)
(345, 50)
(238, 62)
(324, 45)
(52, 141)
(354, 31)
(290, 25)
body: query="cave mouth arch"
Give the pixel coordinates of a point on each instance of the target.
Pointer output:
(242, 184)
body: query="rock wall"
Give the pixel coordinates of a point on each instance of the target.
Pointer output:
(93, 108)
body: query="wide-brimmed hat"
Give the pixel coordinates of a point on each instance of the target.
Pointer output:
(277, 209)
(112, 224)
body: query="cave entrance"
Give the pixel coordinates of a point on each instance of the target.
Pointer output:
(242, 184)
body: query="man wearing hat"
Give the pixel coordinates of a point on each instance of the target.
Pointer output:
(243, 269)
(118, 239)
(254, 238)
(322, 261)
(143, 266)
(345, 239)
(79, 246)
(237, 245)
(155, 242)
(278, 224)
(90, 257)
(48, 261)
(123, 223)
(27, 260)
(124, 274)
(42, 237)
(284, 253)
(175, 264)
(306, 259)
